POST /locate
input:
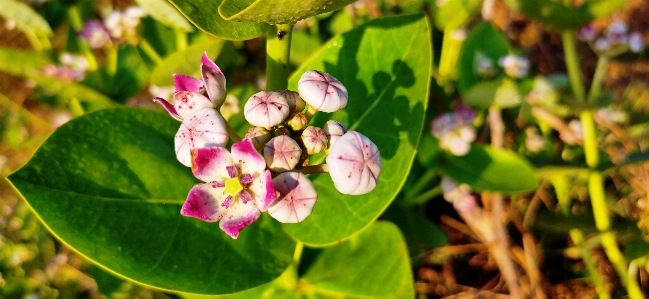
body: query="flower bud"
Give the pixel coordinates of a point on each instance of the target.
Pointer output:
(298, 122)
(187, 103)
(259, 136)
(354, 164)
(322, 91)
(282, 153)
(295, 103)
(314, 140)
(266, 109)
(296, 200)
(333, 130)
(214, 81)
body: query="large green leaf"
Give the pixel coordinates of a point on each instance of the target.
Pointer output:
(188, 61)
(484, 40)
(490, 169)
(277, 11)
(372, 264)
(558, 16)
(385, 65)
(165, 13)
(22, 63)
(27, 20)
(204, 14)
(108, 185)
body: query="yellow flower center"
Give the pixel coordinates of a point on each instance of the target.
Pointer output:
(233, 186)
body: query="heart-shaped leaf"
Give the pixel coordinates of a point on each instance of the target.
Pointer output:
(388, 96)
(204, 14)
(489, 169)
(188, 61)
(108, 185)
(277, 11)
(558, 16)
(165, 13)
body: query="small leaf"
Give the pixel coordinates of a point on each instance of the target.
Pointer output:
(22, 63)
(277, 11)
(490, 169)
(560, 17)
(388, 96)
(27, 20)
(380, 267)
(204, 14)
(188, 61)
(165, 13)
(109, 186)
(484, 39)
(500, 93)
(454, 14)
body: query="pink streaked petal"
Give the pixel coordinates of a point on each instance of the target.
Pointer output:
(204, 202)
(250, 161)
(245, 196)
(210, 164)
(297, 197)
(205, 128)
(187, 103)
(354, 164)
(214, 81)
(238, 216)
(169, 107)
(227, 202)
(187, 83)
(263, 191)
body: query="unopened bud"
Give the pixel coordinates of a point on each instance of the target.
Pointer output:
(298, 122)
(314, 140)
(259, 136)
(295, 103)
(282, 153)
(334, 130)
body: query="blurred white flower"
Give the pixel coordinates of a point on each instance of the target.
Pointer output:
(533, 141)
(515, 66)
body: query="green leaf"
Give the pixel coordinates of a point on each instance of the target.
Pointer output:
(385, 65)
(560, 17)
(204, 14)
(27, 20)
(373, 264)
(420, 233)
(486, 40)
(500, 93)
(454, 14)
(22, 63)
(188, 61)
(109, 186)
(70, 90)
(165, 13)
(277, 11)
(303, 45)
(489, 169)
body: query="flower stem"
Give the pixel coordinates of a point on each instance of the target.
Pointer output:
(421, 184)
(150, 51)
(572, 62)
(76, 22)
(450, 53)
(278, 51)
(111, 59)
(310, 113)
(232, 132)
(181, 39)
(596, 86)
(311, 169)
(423, 197)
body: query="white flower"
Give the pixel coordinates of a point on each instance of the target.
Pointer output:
(515, 66)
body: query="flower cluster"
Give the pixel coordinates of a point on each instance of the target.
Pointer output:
(455, 130)
(515, 66)
(117, 26)
(267, 169)
(72, 68)
(614, 40)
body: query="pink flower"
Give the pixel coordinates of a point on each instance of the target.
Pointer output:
(237, 187)
(95, 34)
(455, 131)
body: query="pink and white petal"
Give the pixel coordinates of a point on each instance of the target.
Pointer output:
(238, 216)
(169, 107)
(249, 160)
(297, 197)
(214, 81)
(322, 91)
(354, 164)
(188, 103)
(204, 202)
(210, 163)
(266, 109)
(187, 83)
(206, 128)
(263, 191)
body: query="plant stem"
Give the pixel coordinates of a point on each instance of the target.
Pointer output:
(278, 51)
(232, 132)
(181, 39)
(76, 22)
(111, 59)
(150, 51)
(421, 184)
(450, 52)
(572, 62)
(310, 113)
(596, 86)
(424, 197)
(311, 169)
